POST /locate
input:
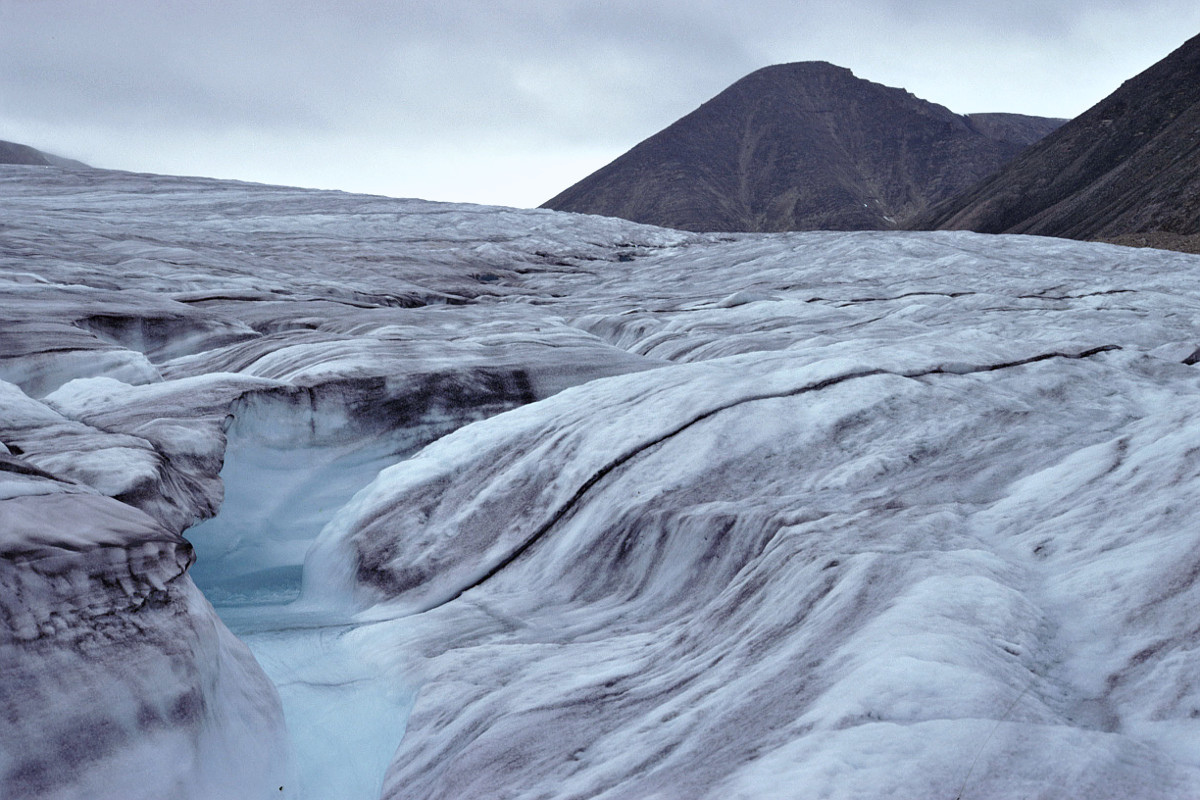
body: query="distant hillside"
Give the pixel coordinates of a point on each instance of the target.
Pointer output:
(1130, 165)
(800, 147)
(13, 153)
(1015, 128)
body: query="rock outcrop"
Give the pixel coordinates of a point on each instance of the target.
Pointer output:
(804, 146)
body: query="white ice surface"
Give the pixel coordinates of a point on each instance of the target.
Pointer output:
(802, 590)
(797, 515)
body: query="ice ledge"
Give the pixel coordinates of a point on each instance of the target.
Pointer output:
(119, 680)
(75, 522)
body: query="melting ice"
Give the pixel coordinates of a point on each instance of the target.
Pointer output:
(526, 504)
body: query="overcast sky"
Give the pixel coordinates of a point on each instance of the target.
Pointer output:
(507, 101)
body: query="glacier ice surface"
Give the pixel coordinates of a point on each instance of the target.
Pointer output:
(527, 504)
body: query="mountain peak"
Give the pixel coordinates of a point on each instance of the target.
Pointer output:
(798, 146)
(800, 69)
(800, 78)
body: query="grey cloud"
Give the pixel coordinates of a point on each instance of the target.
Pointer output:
(523, 76)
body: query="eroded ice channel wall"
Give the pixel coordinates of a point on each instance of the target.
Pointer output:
(292, 459)
(116, 679)
(293, 456)
(289, 458)
(146, 323)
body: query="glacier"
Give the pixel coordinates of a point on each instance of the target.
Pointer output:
(320, 495)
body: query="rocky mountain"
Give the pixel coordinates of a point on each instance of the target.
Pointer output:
(1126, 168)
(802, 147)
(1020, 129)
(13, 153)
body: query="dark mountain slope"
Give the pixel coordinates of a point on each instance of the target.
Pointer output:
(1129, 165)
(1016, 128)
(13, 153)
(800, 147)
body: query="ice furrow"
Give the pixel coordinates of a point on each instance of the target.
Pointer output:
(565, 509)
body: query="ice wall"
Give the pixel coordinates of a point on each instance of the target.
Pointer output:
(119, 681)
